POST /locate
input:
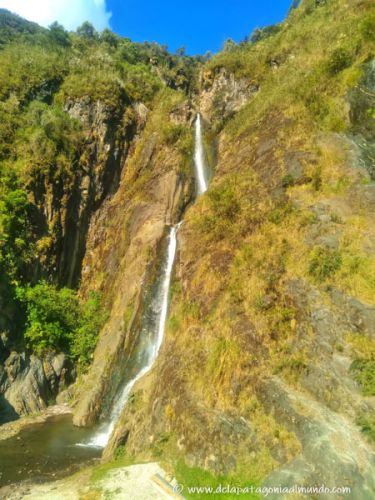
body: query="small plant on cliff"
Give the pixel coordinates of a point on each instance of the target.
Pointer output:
(367, 425)
(120, 452)
(287, 181)
(224, 209)
(324, 263)
(364, 373)
(92, 317)
(340, 59)
(161, 442)
(172, 133)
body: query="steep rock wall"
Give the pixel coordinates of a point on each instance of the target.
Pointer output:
(122, 250)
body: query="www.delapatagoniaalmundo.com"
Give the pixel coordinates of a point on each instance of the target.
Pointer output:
(262, 490)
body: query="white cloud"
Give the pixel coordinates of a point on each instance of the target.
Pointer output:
(69, 13)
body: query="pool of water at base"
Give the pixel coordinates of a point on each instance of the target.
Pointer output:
(46, 451)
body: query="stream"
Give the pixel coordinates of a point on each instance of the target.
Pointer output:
(45, 451)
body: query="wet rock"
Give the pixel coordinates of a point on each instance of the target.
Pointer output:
(15, 364)
(58, 363)
(65, 396)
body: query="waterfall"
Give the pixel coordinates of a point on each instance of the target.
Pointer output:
(158, 309)
(156, 313)
(199, 157)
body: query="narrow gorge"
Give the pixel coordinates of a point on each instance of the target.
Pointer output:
(187, 261)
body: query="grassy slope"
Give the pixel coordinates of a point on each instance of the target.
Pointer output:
(237, 217)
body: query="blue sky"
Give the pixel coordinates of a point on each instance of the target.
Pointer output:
(199, 25)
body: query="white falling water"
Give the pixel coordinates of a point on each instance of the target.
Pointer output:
(199, 157)
(147, 358)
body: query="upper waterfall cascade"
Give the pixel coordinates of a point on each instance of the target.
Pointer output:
(199, 157)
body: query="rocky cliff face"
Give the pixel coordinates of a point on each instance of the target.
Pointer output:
(123, 248)
(107, 138)
(223, 94)
(113, 220)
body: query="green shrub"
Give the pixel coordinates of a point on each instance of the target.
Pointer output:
(92, 317)
(161, 442)
(224, 210)
(324, 263)
(173, 324)
(49, 140)
(171, 133)
(262, 34)
(296, 363)
(223, 202)
(364, 373)
(58, 321)
(339, 59)
(191, 310)
(280, 213)
(16, 233)
(368, 28)
(367, 426)
(53, 316)
(287, 181)
(316, 178)
(120, 452)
